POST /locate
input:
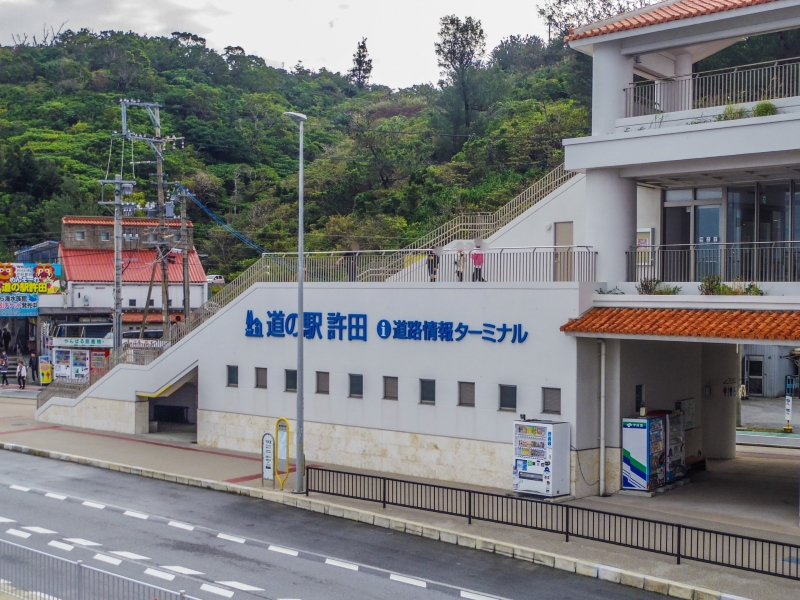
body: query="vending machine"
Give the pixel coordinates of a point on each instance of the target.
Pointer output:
(674, 444)
(541, 457)
(643, 453)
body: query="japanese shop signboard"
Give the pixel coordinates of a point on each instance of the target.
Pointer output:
(30, 278)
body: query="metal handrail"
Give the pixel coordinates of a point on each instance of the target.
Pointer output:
(755, 82)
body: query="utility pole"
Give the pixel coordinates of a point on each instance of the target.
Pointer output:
(185, 247)
(156, 144)
(121, 188)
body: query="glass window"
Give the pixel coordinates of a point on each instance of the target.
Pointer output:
(741, 215)
(709, 193)
(233, 376)
(80, 235)
(105, 236)
(678, 196)
(427, 390)
(291, 380)
(132, 302)
(677, 225)
(466, 393)
(508, 397)
(323, 382)
(551, 400)
(773, 212)
(356, 386)
(261, 377)
(390, 388)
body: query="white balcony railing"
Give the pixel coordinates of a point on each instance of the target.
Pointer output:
(736, 85)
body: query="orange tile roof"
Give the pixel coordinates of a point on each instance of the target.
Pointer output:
(126, 222)
(699, 323)
(663, 13)
(154, 316)
(137, 266)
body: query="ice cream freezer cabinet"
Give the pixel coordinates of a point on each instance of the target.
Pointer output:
(541, 457)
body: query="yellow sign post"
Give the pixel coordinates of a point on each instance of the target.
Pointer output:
(282, 435)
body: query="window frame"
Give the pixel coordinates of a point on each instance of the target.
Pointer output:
(397, 387)
(500, 397)
(327, 389)
(350, 381)
(286, 387)
(551, 412)
(461, 401)
(266, 378)
(421, 391)
(232, 369)
(80, 236)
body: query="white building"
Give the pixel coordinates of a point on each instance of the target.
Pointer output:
(662, 189)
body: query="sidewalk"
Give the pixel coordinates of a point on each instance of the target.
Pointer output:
(153, 454)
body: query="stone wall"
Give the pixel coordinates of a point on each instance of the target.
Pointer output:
(99, 413)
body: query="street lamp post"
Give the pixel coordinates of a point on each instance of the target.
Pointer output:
(301, 461)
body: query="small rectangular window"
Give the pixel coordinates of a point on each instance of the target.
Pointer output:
(427, 391)
(323, 382)
(80, 235)
(233, 376)
(508, 397)
(356, 386)
(709, 193)
(261, 377)
(152, 302)
(105, 236)
(551, 400)
(678, 195)
(132, 302)
(390, 388)
(291, 380)
(169, 302)
(466, 393)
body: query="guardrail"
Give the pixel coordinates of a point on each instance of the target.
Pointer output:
(756, 262)
(661, 537)
(33, 575)
(736, 85)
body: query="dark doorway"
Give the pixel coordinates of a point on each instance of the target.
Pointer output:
(171, 414)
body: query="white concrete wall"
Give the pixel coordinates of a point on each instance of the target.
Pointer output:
(720, 363)
(102, 295)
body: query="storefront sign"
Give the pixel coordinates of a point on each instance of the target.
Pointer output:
(81, 342)
(30, 278)
(19, 305)
(354, 327)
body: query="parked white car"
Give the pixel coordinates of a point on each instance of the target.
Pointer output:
(215, 280)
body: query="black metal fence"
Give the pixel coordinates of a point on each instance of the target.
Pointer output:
(26, 573)
(671, 539)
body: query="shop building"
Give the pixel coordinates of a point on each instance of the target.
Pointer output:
(426, 378)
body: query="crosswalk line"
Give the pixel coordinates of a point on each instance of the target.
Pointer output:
(18, 533)
(230, 538)
(129, 555)
(81, 542)
(339, 563)
(40, 530)
(135, 515)
(159, 574)
(108, 559)
(283, 550)
(180, 525)
(408, 580)
(19, 488)
(215, 590)
(55, 496)
(94, 505)
(183, 570)
(240, 586)
(60, 546)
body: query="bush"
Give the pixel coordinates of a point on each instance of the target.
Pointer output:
(765, 109)
(655, 287)
(712, 285)
(732, 113)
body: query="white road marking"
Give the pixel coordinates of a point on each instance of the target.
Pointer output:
(108, 559)
(81, 542)
(183, 570)
(55, 496)
(283, 550)
(18, 533)
(240, 586)
(338, 563)
(408, 580)
(215, 590)
(94, 505)
(130, 555)
(19, 488)
(135, 515)
(61, 546)
(40, 530)
(181, 525)
(4, 520)
(474, 596)
(159, 574)
(230, 538)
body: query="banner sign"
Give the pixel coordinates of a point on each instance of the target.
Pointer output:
(78, 342)
(19, 305)
(268, 457)
(354, 327)
(30, 278)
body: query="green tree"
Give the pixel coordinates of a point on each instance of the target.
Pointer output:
(362, 65)
(563, 15)
(460, 48)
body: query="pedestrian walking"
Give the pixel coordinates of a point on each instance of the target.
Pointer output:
(461, 264)
(6, 339)
(433, 264)
(4, 372)
(477, 263)
(33, 366)
(22, 374)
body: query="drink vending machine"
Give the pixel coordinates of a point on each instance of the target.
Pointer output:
(643, 453)
(541, 457)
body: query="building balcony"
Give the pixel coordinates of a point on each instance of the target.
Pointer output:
(527, 264)
(739, 263)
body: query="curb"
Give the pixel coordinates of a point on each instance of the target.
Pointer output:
(547, 559)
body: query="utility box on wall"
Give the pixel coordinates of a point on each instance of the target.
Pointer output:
(541, 457)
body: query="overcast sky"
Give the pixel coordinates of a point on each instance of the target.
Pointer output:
(322, 33)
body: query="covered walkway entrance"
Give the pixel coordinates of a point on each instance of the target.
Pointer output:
(657, 359)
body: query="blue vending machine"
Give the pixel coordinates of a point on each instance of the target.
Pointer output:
(643, 453)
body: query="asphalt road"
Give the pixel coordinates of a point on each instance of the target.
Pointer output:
(215, 545)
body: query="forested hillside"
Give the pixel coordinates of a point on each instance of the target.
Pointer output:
(383, 166)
